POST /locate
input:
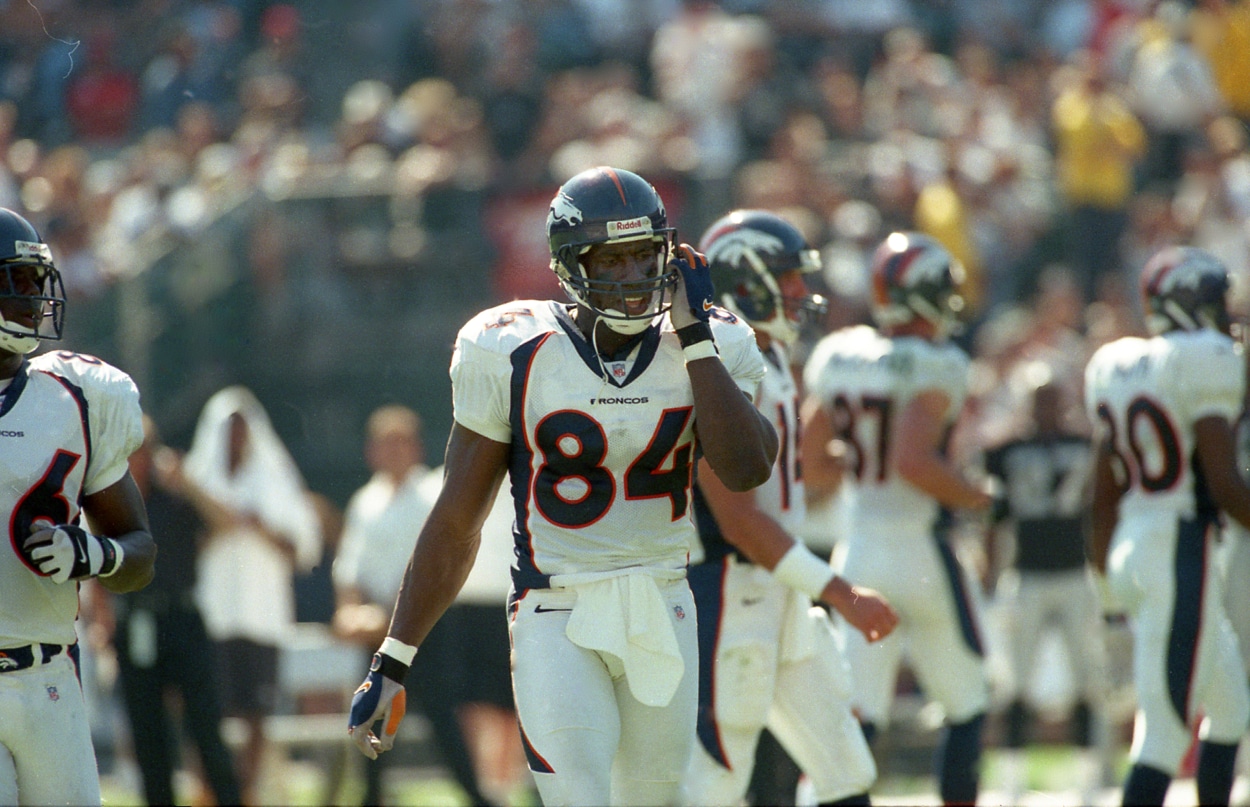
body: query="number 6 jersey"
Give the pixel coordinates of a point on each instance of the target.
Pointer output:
(68, 423)
(602, 451)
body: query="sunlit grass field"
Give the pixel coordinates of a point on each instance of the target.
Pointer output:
(300, 783)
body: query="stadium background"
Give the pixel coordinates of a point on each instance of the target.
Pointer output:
(310, 199)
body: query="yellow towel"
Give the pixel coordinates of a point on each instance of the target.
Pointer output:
(627, 619)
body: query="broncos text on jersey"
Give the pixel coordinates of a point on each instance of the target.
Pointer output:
(602, 449)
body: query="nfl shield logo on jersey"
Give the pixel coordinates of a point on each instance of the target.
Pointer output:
(679, 611)
(53, 695)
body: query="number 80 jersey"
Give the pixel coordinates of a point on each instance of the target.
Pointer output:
(1145, 395)
(601, 452)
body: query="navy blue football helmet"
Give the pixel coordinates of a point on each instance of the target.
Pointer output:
(605, 206)
(32, 297)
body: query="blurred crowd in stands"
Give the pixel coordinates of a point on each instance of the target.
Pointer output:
(1061, 141)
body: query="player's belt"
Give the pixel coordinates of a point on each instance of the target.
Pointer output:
(13, 659)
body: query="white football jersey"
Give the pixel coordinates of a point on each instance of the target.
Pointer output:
(865, 380)
(602, 452)
(68, 424)
(1146, 395)
(782, 495)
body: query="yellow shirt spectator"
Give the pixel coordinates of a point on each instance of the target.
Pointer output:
(1221, 32)
(1098, 142)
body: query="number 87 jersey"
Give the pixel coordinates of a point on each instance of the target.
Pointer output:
(601, 451)
(1145, 395)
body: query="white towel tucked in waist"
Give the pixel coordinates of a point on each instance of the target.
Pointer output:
(626, 618)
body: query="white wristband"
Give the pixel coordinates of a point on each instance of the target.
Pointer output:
(700, 350)
(804, 572)
(398, 650)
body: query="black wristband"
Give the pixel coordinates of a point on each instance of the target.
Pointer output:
(694, 334)
(109, 565)
(391, 668)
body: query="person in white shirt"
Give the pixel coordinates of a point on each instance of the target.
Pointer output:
(246, 568)
(380, 528)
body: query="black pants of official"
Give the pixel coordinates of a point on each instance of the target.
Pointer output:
(183, 663)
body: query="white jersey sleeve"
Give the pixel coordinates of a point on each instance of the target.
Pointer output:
(481, 367)
(942, 367)
(735, 341)
(1211, 371)
(114, 417)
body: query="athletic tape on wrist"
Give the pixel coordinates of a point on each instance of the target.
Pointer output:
(397, 650)
(804, 572)
(700, 350)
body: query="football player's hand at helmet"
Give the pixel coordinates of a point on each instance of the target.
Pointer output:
(380, 697)
(692, 302)
(68, 552)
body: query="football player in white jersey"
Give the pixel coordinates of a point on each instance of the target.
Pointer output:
(767, 657)
(68, 423)
(887, 397)
(1165, 468)
(597, 412)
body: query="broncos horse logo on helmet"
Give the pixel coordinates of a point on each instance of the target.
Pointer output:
(915, 277)
(602, 206)
(1185, 288)
(750, 253)
(32, 297)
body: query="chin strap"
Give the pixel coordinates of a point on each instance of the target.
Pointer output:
(603, 369)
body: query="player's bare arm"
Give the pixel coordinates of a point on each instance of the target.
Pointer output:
(767, 544)
(1107, 488)
(118, 512)
(918, 457)
(440, 562)
(1217, 453)
(736, 439)
(447, 545)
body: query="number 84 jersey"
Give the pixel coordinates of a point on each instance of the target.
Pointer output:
(601, 451)
(1145, 395)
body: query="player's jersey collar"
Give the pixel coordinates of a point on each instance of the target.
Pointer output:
(646, 344)
(8, 398)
